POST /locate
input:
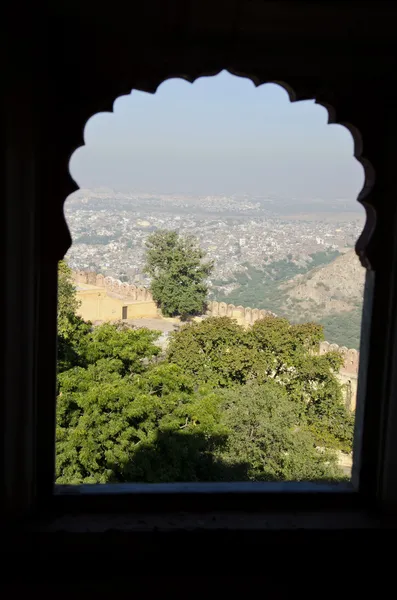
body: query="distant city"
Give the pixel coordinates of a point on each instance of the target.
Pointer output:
(109, 229)
(293, 258)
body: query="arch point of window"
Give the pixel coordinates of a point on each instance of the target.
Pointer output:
(297, 92)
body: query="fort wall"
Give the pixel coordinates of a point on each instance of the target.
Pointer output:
(108, 299)
(113, 286)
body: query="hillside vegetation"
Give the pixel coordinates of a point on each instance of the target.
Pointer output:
(330, 294)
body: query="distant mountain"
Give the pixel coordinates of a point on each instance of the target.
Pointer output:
(333, 288)
(330, 294)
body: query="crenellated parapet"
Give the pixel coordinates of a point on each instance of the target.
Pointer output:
(244, 315)
(351, 357)
(114, 286)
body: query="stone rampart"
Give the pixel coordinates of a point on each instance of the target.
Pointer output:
(351, 357)
(113, 286)
(348, 373)
(243, 315)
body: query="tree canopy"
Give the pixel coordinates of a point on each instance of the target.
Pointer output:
(72, 329)
(220, 352)
(178, 270)
(67, 301)
(223, 404)
(267, 439)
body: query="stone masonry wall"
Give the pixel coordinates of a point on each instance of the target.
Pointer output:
(350, 355)
(115, 286)
(242, 314)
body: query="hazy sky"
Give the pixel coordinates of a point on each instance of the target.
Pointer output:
(219, 135)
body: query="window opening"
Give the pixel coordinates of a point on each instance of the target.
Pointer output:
(221, 219)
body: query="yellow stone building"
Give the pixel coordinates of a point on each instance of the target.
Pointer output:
(100, 304)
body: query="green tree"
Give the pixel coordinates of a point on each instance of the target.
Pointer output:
(72, 329)
(152, 426)
(97, 429)
(159, 426)
(288, 354)
(221, 353)
(132, 347)
(216, 350)
(67, 301)
(267, 440)
(178, 271)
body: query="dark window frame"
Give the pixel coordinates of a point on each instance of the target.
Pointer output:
(362, 494)
(28, 427)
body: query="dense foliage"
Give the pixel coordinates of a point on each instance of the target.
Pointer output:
(223, 403)
(219, 352)
(67, 301)
(266, 437)
(178, 271)
(72, 329)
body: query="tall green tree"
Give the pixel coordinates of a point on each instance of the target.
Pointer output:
(72, 329)
(178, 270)
(67, 300)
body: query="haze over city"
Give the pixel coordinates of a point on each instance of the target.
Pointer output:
(219, 135)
